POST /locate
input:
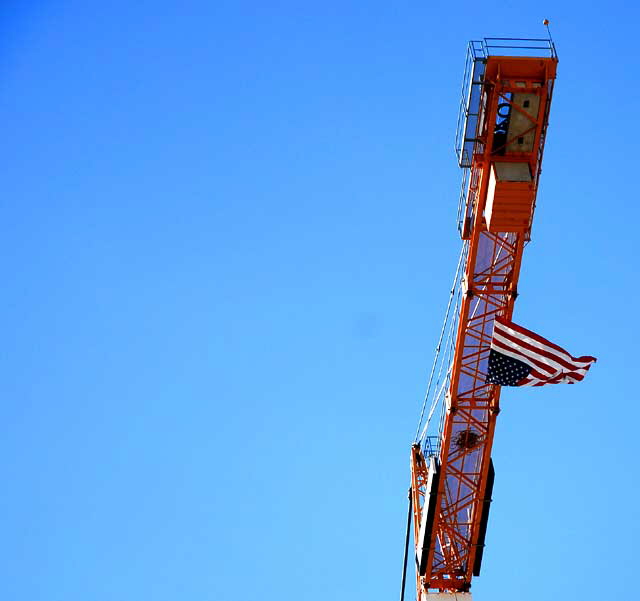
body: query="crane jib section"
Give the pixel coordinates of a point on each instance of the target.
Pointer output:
(451, 489)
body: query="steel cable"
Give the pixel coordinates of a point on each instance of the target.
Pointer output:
(456, 279)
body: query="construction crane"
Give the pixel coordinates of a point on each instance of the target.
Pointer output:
(506, 97)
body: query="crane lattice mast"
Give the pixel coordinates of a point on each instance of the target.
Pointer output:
(507, 92)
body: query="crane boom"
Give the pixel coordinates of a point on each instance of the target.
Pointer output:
(501, 142)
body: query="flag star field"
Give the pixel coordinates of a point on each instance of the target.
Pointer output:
(504, 370)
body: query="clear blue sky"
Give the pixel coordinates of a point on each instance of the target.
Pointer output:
(228, 236)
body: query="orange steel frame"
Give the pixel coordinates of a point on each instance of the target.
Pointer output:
(489, 290)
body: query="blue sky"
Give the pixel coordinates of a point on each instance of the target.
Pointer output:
(229, 236)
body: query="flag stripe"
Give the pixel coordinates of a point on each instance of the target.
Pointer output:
(548, 348)
(514, 354)
(519, 331)
(535, 357)
(549, 363)
(567, 360)
(509, 324)
(570, 378)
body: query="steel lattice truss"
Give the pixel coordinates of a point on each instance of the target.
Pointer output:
(489, 289)
(470, 422)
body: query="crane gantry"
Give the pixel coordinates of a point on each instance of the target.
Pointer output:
(507, 90)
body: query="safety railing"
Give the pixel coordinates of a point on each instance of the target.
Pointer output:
(470, 96)
(430, 446)
(543, 47)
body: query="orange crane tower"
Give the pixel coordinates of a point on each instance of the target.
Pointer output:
(507, 93)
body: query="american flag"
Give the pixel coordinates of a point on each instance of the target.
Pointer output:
(519, 357)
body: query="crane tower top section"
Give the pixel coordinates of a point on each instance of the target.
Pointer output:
(512, 52)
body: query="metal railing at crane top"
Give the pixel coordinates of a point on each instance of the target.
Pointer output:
(543, 47)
